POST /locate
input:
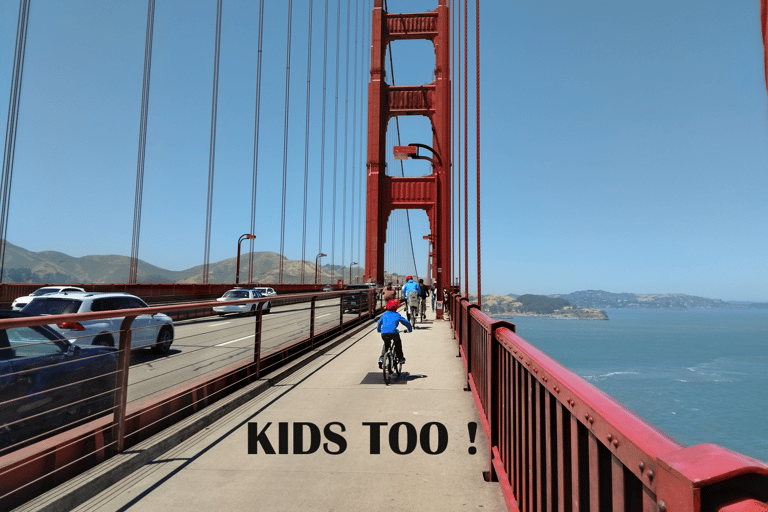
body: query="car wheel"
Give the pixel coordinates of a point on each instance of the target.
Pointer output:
(164, 340)
(104, 340)
(267, 307)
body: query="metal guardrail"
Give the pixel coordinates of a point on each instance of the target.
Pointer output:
(32, 470)
(557, 443)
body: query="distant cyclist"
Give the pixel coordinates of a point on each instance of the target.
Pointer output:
(387, 326)
(433, 291)
(423, 293)
(411, 299)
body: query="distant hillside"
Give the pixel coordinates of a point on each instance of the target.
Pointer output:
(23, 266)
(539, 305)
(602, 299)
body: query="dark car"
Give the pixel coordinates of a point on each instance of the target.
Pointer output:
(47, 383)
(354, 302)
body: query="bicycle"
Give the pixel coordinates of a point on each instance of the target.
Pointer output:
(391, 364)
(423, 308)
(412, 308)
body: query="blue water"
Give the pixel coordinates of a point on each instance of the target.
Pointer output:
(701, 376)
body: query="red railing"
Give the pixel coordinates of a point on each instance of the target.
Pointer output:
(557, 443)
(30, 470)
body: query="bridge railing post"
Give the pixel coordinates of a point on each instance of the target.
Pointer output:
(121, 388)
(312, 322)
(257, 338)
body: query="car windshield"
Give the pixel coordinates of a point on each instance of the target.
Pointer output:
(236, 294)
(51, 306)
(43, 291)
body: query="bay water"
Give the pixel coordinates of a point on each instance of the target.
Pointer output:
(701, 376)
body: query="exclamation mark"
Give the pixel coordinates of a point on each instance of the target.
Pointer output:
(472, 431)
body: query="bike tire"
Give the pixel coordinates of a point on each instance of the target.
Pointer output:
(387, 368)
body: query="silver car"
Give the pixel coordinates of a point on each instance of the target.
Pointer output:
(148, 331)
(240, 294)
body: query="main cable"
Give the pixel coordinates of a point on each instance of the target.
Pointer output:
(134, 267)
(9, 149)
(306, 145)
(285, 138)
(212, 146)
(256, 139)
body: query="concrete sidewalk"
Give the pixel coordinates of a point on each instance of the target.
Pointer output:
(335, 396)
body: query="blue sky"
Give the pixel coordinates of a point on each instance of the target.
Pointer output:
(624, 145)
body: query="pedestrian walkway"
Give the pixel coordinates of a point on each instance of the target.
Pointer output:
(375, 447)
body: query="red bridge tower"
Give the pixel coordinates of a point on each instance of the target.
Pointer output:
(433, 192)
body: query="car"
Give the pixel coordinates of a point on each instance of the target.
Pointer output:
(350, 300)
(148, 331)
(241, 294)
(266, 292)
(328, 288)
(47, 382)
(20, 302)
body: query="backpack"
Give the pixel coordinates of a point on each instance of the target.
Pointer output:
(413, 298)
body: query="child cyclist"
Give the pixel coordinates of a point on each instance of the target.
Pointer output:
(387, 326)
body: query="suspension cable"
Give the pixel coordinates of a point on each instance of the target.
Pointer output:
(354, 148)
(285, 137)
(477, 135)
(9, 149)
(399, 143)
(322, 137)
(306, 145)
(134, 268)
(466, 157)
(346, 140)
(335, 145)
(212, 146)
(256, 138)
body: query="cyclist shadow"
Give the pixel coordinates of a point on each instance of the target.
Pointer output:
(411, 376)
(403, 378)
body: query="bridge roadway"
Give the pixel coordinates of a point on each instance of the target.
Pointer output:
(204, 345)
(212, 470)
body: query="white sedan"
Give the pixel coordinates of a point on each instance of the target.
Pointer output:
(240, 294)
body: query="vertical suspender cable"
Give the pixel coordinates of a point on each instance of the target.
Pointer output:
(363, 166)
(354, 148)
(306, 145)
(133, 273)
(346, 140)
(285, 137)
(335, 145)
(256, 138)
(458, 147)
(466, 154)
(212, 147)
(477, 135)
(9, 149)
(322, 141)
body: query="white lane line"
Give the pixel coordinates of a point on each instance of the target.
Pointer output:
(221, 323)
(321, 316)
(239, 339)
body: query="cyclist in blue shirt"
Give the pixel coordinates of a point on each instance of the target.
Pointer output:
(387, 326)
(408, 286)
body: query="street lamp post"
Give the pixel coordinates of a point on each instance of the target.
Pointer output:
(350, 271)
(320, 255)
(246, 236)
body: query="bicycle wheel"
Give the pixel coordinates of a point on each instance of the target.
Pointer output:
(414, 316)
(386, 367)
